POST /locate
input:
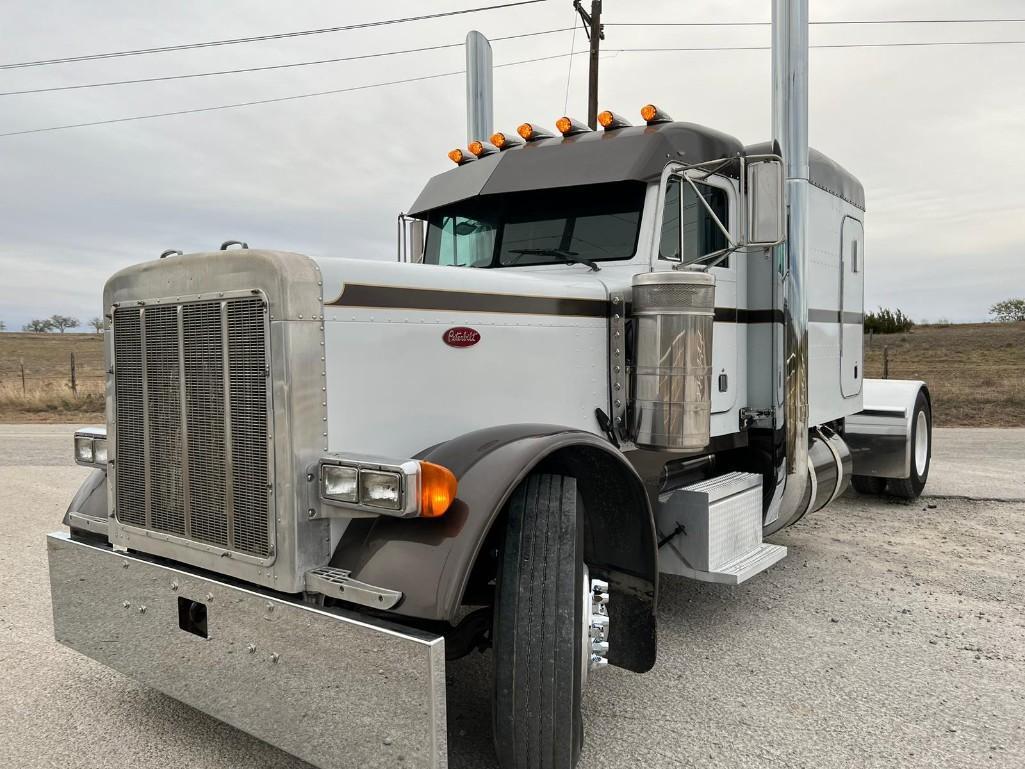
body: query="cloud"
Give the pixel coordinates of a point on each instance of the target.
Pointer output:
(932, 132)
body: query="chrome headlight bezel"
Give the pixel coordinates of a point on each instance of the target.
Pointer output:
(89, 447)
(406, 474)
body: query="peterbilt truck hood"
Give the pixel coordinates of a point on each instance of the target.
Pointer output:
(419, 354)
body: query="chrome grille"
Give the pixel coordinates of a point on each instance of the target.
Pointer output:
(191, 394)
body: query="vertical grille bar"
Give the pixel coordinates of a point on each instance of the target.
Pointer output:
(129, 467)
(229, 476)
(145, 421)
(204, 387)
(163, 420)
(183, 409)
(247, 351)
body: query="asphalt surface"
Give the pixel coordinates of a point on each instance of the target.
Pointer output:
(892, 635)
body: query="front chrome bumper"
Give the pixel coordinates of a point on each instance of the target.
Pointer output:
(335, 689)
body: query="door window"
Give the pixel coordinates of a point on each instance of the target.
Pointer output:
(689, 232)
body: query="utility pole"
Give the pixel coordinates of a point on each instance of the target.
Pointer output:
(595, 33)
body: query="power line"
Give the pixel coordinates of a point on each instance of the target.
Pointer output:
(261, 38)
(294, 97)
(270, 66)
(812, 23)
(824, 45)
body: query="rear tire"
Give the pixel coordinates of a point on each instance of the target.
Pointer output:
(868, 484)
(538, 636)
(921, 453)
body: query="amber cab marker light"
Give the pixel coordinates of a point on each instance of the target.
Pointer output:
(569, 127)
(437, 489)
(653, 114)
(459, 157)
(482, 149)
(530, 132)
(610, 120)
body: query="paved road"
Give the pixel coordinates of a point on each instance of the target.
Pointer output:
(891, 636)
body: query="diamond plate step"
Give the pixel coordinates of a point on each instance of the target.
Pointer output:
(740, 569)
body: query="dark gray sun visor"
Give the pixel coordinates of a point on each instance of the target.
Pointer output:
(637, 153)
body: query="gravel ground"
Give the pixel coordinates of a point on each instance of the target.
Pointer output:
(891, 636)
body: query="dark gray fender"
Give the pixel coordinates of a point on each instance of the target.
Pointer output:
(431, 560)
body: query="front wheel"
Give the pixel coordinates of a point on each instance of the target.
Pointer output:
(921, 452)
(538, 636)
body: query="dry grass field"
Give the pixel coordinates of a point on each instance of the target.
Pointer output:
(46, 394)
(976, 373)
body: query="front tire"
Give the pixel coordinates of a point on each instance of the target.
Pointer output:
(921, 452)
(538, 636)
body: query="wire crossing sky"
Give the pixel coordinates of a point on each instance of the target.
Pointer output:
(263, 38)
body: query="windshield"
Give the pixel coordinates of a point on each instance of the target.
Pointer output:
(594, 223)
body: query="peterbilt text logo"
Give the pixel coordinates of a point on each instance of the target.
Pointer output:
(461, 336)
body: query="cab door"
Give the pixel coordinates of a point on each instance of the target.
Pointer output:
(688, 234)
(852, 306)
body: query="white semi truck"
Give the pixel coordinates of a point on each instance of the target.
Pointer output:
(612, 354)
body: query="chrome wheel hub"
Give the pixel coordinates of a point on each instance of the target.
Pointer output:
(595, 623)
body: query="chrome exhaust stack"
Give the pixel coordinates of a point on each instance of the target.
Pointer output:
(790, 130)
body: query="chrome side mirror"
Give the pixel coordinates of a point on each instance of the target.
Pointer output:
(766, 203)
(410, 239)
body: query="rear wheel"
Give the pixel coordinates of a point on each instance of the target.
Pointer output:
(539, 640)
(921, 452)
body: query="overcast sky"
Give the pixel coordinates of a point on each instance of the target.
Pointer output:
(935, 134)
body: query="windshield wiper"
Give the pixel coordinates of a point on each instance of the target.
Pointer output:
(569, 257)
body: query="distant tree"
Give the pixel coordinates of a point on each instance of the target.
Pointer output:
(63, 322)
(38, 326)
(3, 326)
(1009, 310)
(888, 321)
(97, 324)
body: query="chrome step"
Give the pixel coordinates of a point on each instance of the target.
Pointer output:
(745, 567)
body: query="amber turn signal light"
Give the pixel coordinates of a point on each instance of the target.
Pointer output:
(437, 489)
(456, 156)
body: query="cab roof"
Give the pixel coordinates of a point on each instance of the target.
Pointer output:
(633, 153)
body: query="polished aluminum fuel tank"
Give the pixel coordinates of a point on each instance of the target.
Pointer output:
(673, 314)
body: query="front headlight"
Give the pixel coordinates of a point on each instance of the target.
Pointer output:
(378, 489)
(91, 447)
(83, 450)
(340, 483)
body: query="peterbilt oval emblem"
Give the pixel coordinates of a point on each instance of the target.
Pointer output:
(461, 336)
